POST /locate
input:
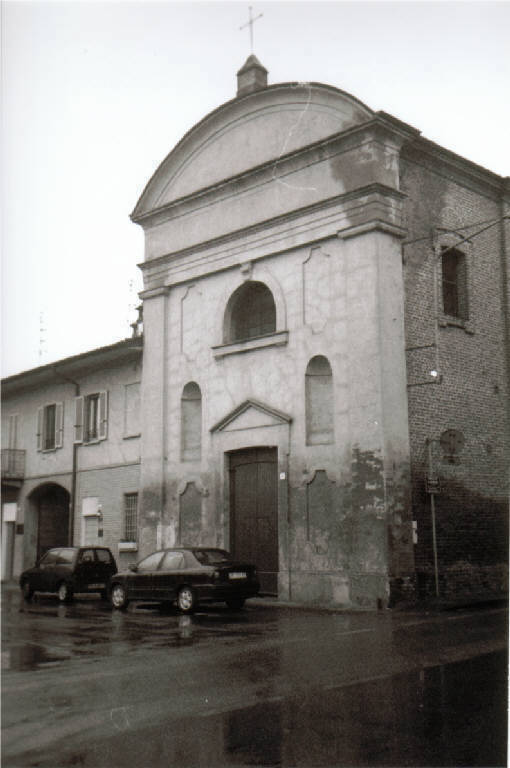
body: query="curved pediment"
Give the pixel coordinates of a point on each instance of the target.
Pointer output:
(247, 132)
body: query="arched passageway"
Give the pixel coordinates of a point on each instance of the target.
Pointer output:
(50, 503)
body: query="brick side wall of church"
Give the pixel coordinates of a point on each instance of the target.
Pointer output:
(469, 393)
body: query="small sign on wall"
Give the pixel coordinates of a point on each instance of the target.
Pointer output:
(90, 506)
(9, 510)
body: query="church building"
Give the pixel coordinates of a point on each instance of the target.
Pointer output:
(324, 387)
(324, 330)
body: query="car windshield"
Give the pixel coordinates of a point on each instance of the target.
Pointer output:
(212, 556)
(66, 555)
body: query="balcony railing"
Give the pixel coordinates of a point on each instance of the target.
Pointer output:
(13, 464)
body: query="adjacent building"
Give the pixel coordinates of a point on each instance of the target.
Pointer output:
(325, 371)
(71, 455)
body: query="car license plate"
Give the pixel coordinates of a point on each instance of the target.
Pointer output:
(237, 575)
(96, 586)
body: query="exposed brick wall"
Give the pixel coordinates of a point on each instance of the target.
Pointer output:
(470, 394)
(109, 486)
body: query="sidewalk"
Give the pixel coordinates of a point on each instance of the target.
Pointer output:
(429, 605)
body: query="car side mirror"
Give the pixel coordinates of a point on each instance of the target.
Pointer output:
(133, 567)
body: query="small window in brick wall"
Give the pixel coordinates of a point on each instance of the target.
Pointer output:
(454, 279)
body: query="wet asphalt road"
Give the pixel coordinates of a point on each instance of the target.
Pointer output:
(83, 685)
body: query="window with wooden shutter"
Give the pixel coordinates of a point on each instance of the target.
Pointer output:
(13, 430)
(103, 416)
(78, 419)
(59, 425)
(91, 421)
(50, 426)
(91, 418)
(40, 414)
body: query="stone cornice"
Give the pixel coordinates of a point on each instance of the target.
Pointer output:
(455, 167)
(153, 293)
(276, 339)
(372, 226)
(375, 189)
(380, 128)
(231, 110)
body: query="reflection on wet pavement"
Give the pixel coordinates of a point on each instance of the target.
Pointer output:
(29, 656)
(93, 627)
(428, 717)
(262, 686)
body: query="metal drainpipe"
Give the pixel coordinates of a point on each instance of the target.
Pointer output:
(72, 510)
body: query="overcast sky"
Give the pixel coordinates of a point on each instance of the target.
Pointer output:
(96, 94)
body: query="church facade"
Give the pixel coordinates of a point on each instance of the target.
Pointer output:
(303, 365)
(325, 379)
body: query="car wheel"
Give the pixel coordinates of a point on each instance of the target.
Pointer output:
(118, 597)
(186, 600)
(235, 603)
(64, 592)
(27, 590)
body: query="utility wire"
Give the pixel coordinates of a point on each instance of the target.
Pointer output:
(490, 222)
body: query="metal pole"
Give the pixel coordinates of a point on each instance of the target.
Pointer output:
(433, 515)
(434, 541)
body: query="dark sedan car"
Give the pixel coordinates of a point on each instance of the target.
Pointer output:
(188, 576)
(67, 570)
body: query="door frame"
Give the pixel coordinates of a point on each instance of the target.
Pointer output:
(232, 509)
(267, 428)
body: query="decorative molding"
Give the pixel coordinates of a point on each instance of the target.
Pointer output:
(309, 476)
(152, 293)
(372, 226)
(190, 309)
(376, 130)
(279, 416)
(200, 487)
(354, 195)
(273, 97)
(278, 339)
(247, 270)
(316, 287)
(446, 163)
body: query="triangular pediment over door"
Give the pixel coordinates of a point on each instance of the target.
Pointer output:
(251, 414)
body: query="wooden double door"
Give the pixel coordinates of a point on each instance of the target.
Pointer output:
(254, 512)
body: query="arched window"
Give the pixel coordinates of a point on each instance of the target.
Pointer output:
(251, 312)
(319, 401)
(191, 422)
